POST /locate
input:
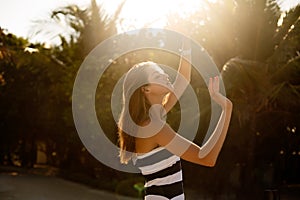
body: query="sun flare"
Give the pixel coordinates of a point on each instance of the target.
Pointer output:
(141, 13)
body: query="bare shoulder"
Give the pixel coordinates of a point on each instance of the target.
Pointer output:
(165, 135)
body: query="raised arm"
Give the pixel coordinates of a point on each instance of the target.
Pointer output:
(214, 144)
(183, 76)
(187, 150)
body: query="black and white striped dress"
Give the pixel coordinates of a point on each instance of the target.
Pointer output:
(163, 174)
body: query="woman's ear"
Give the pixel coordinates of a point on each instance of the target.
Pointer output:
(145, 89)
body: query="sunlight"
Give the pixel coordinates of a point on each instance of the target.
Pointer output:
(135, 14)
(280, 21)
(285, 5)
(141, 14)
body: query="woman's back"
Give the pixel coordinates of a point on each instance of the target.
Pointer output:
(163, 174)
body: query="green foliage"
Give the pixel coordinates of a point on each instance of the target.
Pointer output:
(259, 61)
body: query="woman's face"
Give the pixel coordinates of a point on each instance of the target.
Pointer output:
(159, 80)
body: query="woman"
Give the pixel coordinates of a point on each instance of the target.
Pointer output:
(152, 144)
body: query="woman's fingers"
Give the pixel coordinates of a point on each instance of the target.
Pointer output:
(216, 83)
(213, 85)
(214, 91)
(210, 86)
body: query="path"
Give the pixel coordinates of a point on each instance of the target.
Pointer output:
(15, 186)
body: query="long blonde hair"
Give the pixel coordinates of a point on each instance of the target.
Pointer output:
(135, 107)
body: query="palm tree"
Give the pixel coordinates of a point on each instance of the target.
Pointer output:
(259, 61)
(89, 27)
(265, 88)
(260, 84)
(36, 88)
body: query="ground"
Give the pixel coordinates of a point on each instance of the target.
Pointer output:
(14, 186)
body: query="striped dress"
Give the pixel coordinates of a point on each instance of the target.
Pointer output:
(163, 174)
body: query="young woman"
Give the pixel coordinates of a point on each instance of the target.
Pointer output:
(152, 144)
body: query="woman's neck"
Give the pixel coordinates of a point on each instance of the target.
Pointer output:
(157, 99)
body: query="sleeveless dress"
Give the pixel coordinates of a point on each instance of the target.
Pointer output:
(163, 174)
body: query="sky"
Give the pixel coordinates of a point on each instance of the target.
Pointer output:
(18, 16)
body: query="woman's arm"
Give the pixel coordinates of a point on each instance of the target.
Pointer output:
(183, 76)
(216, 140)
(208, 153)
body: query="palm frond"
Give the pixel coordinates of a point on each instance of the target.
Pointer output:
(290, 72)
(283, 96)
(288, 39)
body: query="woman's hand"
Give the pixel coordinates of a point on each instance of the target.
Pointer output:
(214, 91)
